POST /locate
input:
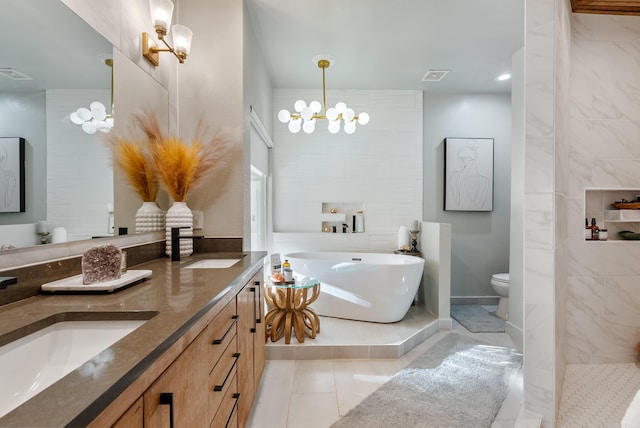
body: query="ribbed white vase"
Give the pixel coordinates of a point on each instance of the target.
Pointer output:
(149, 218)
(179, 215)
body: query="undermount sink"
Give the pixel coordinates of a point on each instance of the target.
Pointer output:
(30, 364)
(213, 264)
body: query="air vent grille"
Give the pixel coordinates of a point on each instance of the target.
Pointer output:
(13, 74)
(434, 75)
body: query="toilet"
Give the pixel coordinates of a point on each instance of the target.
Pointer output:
(500, 284)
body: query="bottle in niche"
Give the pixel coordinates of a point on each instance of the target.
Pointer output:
(587, 230)
(595, 230)
(286, 271)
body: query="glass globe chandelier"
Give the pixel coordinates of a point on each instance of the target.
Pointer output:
(306, 116)
(95, 118)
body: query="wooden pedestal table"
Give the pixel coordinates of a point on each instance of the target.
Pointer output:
(289, 310)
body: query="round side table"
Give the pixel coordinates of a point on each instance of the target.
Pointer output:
(289, 310)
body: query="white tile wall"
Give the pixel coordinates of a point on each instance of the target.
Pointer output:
(380, 166)
(604, 295)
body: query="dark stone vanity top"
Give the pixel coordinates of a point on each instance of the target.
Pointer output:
(173, 299)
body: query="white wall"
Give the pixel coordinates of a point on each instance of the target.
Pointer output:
(470, 116)
(380, 166)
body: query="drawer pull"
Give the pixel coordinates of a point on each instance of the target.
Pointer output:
(219, 341)
(221, 387)
(166, 398)
(255, 319)
(259, 302)
(233, 409)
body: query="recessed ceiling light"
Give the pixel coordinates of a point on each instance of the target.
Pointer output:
(13, 74)
(434, 75)
(505, 76)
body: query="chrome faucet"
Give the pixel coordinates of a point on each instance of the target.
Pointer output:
(175, 242)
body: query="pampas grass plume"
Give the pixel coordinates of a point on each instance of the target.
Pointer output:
(131, 157)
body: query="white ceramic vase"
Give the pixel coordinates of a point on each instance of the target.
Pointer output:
(179, 215)
(149, 218)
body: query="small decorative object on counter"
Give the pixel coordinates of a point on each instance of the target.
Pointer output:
(123, 262)
(286, 271)
(101, 263)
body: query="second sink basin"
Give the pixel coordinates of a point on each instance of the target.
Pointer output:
(213, 264)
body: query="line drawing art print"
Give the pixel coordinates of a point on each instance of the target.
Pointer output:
(12, 174)
(468, 173)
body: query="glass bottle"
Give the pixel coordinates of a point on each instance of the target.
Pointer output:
(595, 230)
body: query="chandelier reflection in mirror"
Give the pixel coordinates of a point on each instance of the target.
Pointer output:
(95, 118)
(306, 115)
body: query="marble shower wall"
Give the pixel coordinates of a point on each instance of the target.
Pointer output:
(539, 210)
(603, 322)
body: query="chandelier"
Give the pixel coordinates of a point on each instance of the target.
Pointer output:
(95, 118)
(306, 116)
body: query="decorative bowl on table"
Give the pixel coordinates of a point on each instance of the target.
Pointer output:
(626, 205)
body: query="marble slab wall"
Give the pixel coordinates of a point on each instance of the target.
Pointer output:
(603, 322)
(539, 210)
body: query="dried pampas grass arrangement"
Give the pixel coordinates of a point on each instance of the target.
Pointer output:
(168, 160)
(135, 161)
(183, 167)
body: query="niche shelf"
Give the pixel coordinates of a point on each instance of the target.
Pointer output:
(598, 205)
(337, 214)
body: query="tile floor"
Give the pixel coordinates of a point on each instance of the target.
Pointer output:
(352, 360)
(597, 395)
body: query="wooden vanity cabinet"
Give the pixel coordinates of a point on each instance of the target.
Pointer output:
(212, 383)
(251, 344)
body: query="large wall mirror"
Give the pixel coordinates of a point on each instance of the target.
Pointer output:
(69, 173)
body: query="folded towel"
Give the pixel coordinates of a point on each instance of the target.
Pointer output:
(631, 417)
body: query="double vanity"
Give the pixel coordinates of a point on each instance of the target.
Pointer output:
(191, 352)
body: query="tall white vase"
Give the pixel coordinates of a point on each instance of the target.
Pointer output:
(179, 215)
(149, 218)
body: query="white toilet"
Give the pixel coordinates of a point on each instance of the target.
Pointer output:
(500, 284)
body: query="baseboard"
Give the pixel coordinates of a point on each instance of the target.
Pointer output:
(474, 300)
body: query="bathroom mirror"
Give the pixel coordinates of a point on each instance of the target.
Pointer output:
(52, 63)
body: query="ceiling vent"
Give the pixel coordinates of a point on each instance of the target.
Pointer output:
(13, 74)
(434, 75)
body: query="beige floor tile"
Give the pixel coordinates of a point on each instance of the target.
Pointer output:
(312, 410)
(313, 376)
(315, 389)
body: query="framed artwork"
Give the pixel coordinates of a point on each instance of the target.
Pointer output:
(468, 174)
(12, 174)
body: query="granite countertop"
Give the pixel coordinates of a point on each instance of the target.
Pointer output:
(174, 297)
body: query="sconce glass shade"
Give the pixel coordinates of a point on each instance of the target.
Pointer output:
(182, 39)
(161, 13)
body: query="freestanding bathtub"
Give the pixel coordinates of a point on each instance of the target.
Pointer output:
(374, 287)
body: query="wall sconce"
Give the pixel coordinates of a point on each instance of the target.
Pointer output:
(161, 14)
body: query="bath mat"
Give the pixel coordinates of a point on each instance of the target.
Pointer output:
(458, 382)
(477, 319)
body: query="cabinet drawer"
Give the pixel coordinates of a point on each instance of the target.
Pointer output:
(227, 415)
(220, 332)
(222, 378)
